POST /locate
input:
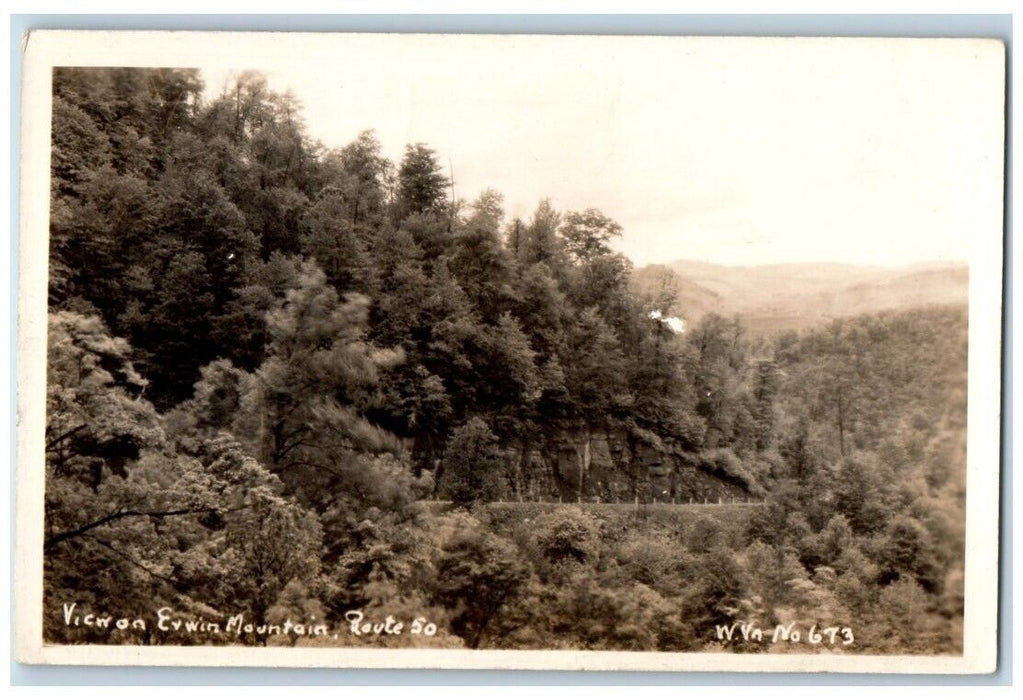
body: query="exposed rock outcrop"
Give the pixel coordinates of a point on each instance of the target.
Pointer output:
(600, 466)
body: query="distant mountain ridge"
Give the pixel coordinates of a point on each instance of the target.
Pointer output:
(799, 295)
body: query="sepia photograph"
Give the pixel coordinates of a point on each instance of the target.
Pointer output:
(492, 351)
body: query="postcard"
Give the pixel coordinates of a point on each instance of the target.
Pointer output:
(510, 351)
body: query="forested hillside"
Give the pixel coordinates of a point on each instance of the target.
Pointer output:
(266, 355)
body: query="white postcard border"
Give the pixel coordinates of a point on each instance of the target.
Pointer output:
(46, 49)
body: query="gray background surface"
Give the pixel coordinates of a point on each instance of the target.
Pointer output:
(987, 26)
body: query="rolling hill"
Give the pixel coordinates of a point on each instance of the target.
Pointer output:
(798, 295)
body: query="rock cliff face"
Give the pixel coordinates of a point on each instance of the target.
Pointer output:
(609, 467)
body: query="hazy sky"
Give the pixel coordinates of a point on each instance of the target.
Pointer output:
(737, 151)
